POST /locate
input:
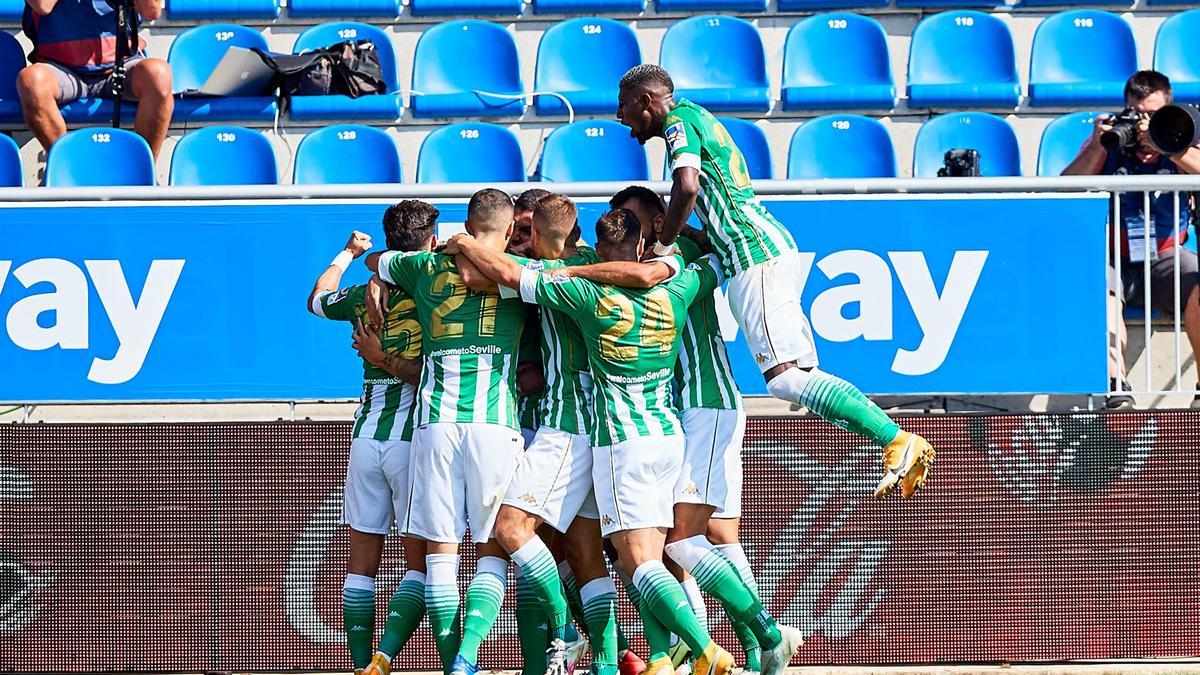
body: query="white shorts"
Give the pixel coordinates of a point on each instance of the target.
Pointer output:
(460, 473)
(634, 482)
(765, 300)
(554, 479)
(712, 460)
(377, 485)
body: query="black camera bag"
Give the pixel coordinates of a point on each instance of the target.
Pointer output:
(349, 68)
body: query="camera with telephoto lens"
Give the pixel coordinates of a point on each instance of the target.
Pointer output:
(960, 162)
(1123, 135)
(1175, 128)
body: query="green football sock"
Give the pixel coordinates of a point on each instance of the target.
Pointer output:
(358, 617)
(405, 611)
(574, 602)
(664, 597)
(658, 636)
(442, 603)
(484, 596)
(736, 556)
(532, 631)
(599, 598)
(719, 579)
(541, 572)
(841, 403)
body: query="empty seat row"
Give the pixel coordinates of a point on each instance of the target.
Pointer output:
(831, 61)
(833, 146)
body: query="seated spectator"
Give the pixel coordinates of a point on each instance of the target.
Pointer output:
(1146, 92)
(74, 52)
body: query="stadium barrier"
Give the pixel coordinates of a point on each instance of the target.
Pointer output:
(216, 547)
(915, 286)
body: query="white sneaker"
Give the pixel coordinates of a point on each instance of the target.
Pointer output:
(774, 661)
(562, 655)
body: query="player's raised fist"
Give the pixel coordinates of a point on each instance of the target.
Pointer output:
(359, 243)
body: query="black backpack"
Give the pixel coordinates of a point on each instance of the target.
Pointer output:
(350, 68)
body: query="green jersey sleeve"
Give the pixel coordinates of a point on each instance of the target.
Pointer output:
(682, 130)
(688, 249)
(698, 280)
(341, 305)
(566, 294)
(403, 268)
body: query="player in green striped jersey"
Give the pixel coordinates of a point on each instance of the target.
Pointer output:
(711, 477)
(377, 475)
(708, 496)
(709, 176)
(632, 341)
(466, 445)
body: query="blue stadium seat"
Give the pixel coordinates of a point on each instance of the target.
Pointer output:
(11, 174)
(223, 155)
(99, 156)
(812, 5)
(445, 84)
(717, 62)
(841, 146)
(592, 150)
(1175, 54)
(962, 58)
(950, 3)
(193, 56)
(588, 6)
(373, 106)
(219, 9)
(583, 59)
(1081, 58)
(344, 8)
(991, 136)
(12, 60)
(463, 7)
(11, 11)
(347, 153)
(710, 5)
(818, 76)
(470, 152)
(752, 142)
(1062, 140)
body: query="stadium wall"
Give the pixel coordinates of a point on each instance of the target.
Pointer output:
(215, 547)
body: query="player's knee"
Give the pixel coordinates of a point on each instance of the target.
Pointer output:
(790, 384)
(513, 528)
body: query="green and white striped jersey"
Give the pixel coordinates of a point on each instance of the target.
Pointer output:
(567, 401)
(385, 409)
(470, 341)
(632, 338)
(743, 233)
(703, 376)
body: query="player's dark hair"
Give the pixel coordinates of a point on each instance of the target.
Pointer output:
(647, 76)
(408, 225)
(644, 196)
(529, 199)
(1143, 83)
(619, 228)
(490, 206)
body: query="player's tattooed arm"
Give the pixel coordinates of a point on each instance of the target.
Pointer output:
(370, 348)
(623, 273)
(329, 280)
(472, 277)
(377, 300)
(685, 187)
(495, 265)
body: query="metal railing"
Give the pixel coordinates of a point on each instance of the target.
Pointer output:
(1115, 185)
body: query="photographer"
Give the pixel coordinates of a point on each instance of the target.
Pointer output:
(74, 56)
(1146, 93)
